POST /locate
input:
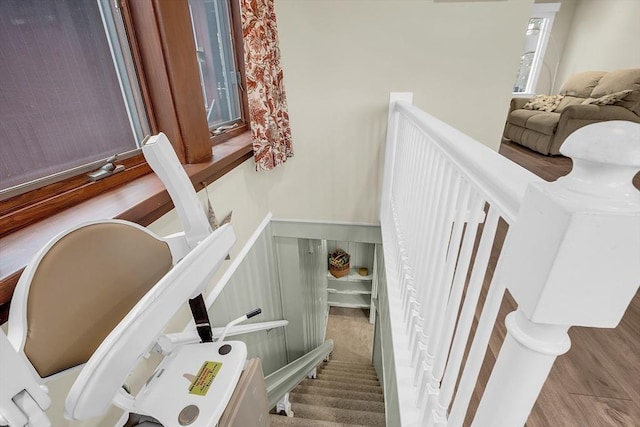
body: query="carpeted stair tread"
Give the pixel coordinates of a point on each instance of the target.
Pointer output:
(348, 362)
(346, 416)
(281, 420)
(342, 371)
(343, 386)
(351, 380)
(351, 367)
(334, 392)
(343, 393)
(336, 402)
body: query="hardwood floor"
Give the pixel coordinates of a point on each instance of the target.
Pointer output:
(597, 383)
(548, 168)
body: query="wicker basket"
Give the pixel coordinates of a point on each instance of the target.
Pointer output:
(339, 263)
(338, 272)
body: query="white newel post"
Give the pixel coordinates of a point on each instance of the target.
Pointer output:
(571, 259)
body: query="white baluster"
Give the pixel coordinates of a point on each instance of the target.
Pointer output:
(573, 251)
(391, 144)
(433, 311)
(472, 216)
(440, 340)
(485, 325)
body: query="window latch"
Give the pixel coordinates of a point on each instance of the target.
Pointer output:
(108, 169)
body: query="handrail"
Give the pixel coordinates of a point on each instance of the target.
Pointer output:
(478, 162)
(569, 258)
(289, 376)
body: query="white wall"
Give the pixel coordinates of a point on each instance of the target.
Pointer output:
(341, 59)
(604, 36)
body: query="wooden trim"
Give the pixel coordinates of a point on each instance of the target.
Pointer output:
(238, 40)
(174, 21)
(151, 70)
(136, 55)
(142, 200)
(25, 209)
(169, 67)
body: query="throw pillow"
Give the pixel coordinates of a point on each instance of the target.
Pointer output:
(609, 99)
(546, 103)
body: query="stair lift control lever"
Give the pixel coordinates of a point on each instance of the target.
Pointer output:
(240, 319)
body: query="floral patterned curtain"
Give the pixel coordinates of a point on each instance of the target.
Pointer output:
(265, 89)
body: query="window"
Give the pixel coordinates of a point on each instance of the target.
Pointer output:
(85, 80)
(217, 65)
(70, 95)
(536, 39)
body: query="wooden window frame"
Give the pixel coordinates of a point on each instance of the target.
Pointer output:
(163, 51)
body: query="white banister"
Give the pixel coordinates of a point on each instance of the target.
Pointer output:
(569, 258)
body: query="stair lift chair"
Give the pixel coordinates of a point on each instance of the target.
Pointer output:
(102, 293)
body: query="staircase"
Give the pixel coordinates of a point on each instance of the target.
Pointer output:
(343, 394)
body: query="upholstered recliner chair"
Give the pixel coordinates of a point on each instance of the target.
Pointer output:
(543, 123)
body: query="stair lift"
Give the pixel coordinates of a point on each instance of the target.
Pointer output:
(102, 293)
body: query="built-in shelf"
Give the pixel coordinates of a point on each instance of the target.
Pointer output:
(336, 287)
(353, 276)
(350, 300)
(352, 290)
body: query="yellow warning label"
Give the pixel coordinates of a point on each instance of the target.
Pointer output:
(207, 373)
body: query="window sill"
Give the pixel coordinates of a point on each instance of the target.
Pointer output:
(142, 200)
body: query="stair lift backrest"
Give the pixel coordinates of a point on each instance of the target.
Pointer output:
(101, 379)
(79, 287)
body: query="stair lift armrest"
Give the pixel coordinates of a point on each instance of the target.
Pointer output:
(163, 160)
(22, 399)
(169, 342)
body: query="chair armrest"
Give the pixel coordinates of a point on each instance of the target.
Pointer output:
(597, 113)
(517, 103)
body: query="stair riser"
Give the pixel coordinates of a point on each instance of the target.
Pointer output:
(282, 421)
(349, 368)
(355, 378)
(348, 380)
(342, 386)
(345, 394)
(346, 416)
(345, 363)
(339, 371)
(333, 402)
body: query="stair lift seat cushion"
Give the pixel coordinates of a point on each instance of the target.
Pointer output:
(167, 393)
(77, 289)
